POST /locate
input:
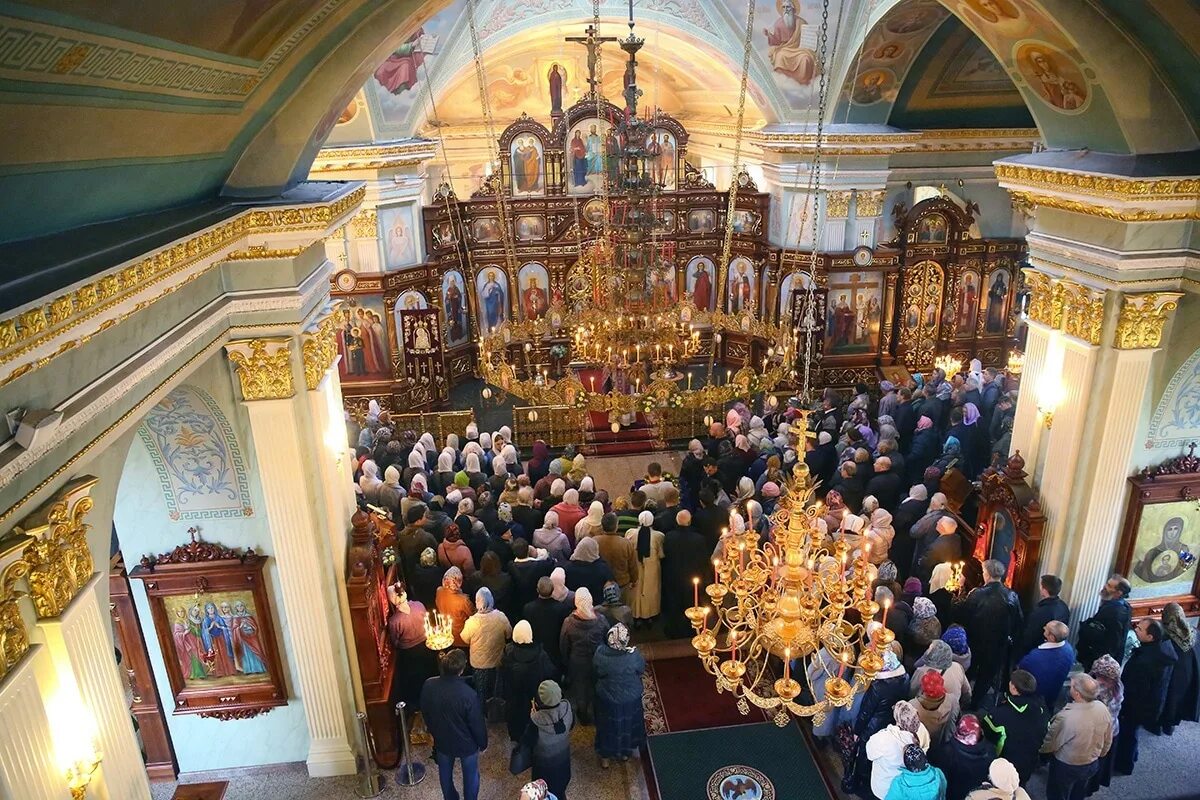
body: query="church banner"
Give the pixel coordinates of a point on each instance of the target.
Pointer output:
(424, 364)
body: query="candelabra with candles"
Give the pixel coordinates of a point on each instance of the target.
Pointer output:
(948, 364)
(439, 631)
(789, 600)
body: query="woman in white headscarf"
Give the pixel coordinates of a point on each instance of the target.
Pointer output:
(590, 524)
(445, 470)
(471, 467)
(507, 433)
(512, 463)
(757, 433)
(485, 445)
(646, 600)
(369, 483)
(582, 632)
(429, 448)
(879, 535)
(550, 538)
(416, 463)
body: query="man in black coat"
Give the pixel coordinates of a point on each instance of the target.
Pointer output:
(546, 616)
(992, 616)
(664, 518)
(453, 714)
(905, 417)
(526, 570)
(886, 485)
(1105, 631)
(710, 520)
(1049, 608)
(821, 459)
(1145, 678)
(911, 509)
(1017, 725)
(686, 555)
(946, 547)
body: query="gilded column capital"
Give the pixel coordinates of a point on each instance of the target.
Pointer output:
(1142, 319)
(1082, 310)
(870, 203)
(1041, 296)
(58, 561)
(837, 204)
(364, 224)
(264, 367)
(319, 347)
(14, 638)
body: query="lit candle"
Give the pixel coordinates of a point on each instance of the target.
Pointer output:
(742, 555)
(728, 375)
(845, 657)
(887, 606)
(689, 381)
(658, 352)
(696, 592)
(716, 570)
(733, 641)
(787, 664)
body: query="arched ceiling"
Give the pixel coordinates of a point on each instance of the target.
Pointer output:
(115, 107)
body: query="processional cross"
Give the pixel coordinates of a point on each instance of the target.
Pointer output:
(592, 42)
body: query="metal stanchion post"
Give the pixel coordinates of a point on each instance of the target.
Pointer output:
(410, 772)
(371, 785)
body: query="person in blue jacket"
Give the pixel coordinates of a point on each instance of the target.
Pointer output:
(1051, 661)
(453, 714)
(918, 780)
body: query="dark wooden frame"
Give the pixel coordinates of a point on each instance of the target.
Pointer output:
(1172, 481)
(205, 567)
(1006, 488)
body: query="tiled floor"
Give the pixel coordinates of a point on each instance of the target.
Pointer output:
(291, 781)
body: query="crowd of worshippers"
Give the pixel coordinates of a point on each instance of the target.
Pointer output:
(543, 575)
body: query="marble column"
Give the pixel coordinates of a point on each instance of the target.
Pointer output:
(284, 451)
(28, 764)
(1122, 390)
(1027, 424)
(80, 642)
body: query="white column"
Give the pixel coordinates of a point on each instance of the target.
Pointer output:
(29, 768)
(1063, 448)
(1103, 493)
(80, 641)
(1027, 426)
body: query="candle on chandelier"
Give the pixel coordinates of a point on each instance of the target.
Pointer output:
(887, 606)
(689, 381)
(658, 352)
(733, 641)
(696, 592)
(842, 661)
(638, 350)
(716, 570)
(787, 664)
(742, 555)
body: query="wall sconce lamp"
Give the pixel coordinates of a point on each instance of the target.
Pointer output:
(79, 774)
(1050, 395)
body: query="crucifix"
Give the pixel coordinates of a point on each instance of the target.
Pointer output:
(592, 42)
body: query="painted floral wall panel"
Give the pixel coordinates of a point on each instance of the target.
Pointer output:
(197, 457)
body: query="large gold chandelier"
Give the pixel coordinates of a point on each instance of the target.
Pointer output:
(611, 323)
(789, 600)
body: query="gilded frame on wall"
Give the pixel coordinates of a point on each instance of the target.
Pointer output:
(212, 614)
(1160, 541)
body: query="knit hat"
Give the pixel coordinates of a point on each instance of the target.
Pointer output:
(824, 437)
(522, 633)
(956, 637)
(912, 586)
(933, 685)
(611, 593)
(549, 694)
(914, 758)
(938, 655)
(1003, 775)
(770, 489)
(923, 608)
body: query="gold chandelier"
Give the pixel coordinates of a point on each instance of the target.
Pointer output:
(789, 600)
(612, 325)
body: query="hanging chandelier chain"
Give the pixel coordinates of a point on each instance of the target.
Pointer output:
(506, 235)
(815, 190)
(727, 245)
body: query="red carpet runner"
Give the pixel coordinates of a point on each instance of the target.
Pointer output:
(681, 696)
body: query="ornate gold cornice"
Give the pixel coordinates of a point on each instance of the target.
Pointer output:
(1107, 186)
(1040, 296)
(1082, 311)
(264, 367)
(837, 204)
(870, 203)
(365, 224)
(261, 251)
(23, 333)
(1032, 200)
(319, 348)
(57, 560)
(1142, 319)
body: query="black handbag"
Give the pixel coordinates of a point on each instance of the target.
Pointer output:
(521, 758)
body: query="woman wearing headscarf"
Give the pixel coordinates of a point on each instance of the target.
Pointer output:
(560, 593)
(538, 465)
(918, 780)
(587, 491)
(910, 510)
(536, 790)
(416, 465)
(938, 657)
(1003, 783)
(940, 595)
(587, 569)
(426, 577)
(550, 736)
(453, 603)
(550, 538)
(499, 478)
(578, 470)
(444, 477)
(406, 631)
(973, 437)
(471, 469)
(620, 722)
(485, 633)
(486, 454)
(923, 451)
(885, 750)
(880, 534)
(569, 513)
(543, 488)
(524, 666)
(493, 577)
(963, 757)
(418, 494)
(590, 525)
(757, 434)
(1183, 691)
(391, 492)
(582, 632)
(950, 459)
(511, 460)
(646, 600)
(691, 473)
(835, 510)
(453, 551)
(924, 627)
(612, 607)
(1109, 691)
(875, 711)
(369, 483)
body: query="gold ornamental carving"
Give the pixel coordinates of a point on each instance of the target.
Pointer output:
(1107, 186)
(319, 350)
(365, 224)
(58, 561)
(922, 297)
(14, 639)
(264, 368)
(870, 204)
(1142, 319)
(1082, 311)
(837, 204)
(1028, 201)
(262, 252)
(22, 333)
(1041, 290)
